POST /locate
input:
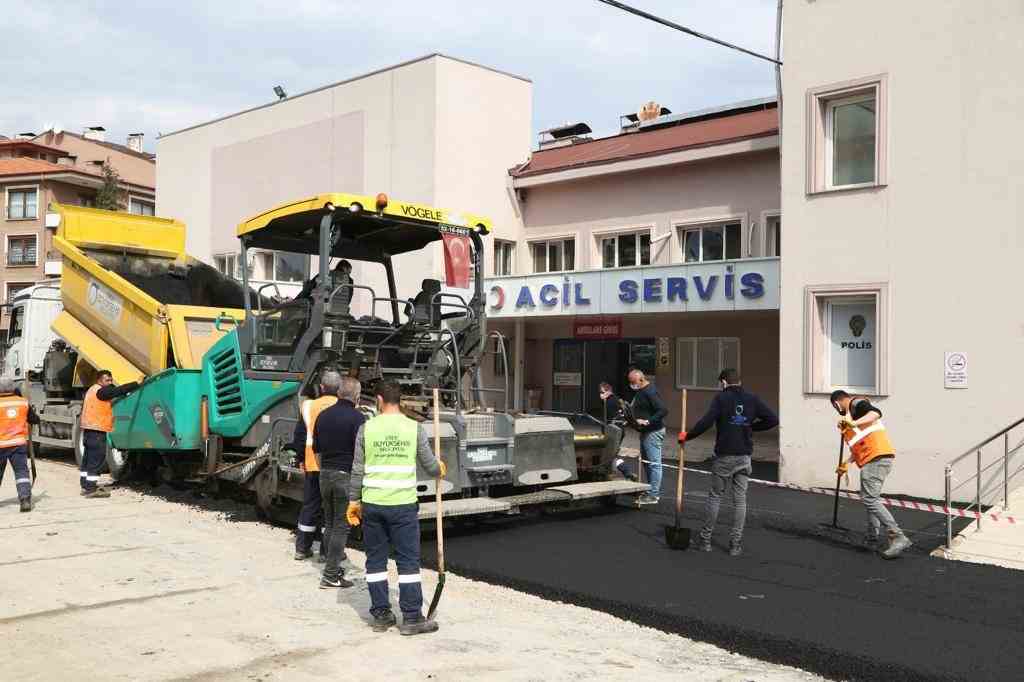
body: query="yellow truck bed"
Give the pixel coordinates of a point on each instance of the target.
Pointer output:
(110, 319)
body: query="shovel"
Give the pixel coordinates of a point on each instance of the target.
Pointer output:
(834, 528)
(676, 536)
(437, 503)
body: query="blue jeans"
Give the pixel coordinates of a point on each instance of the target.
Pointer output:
(386, 527)
(650, 450)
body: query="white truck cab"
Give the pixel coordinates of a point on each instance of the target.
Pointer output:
(29, 336)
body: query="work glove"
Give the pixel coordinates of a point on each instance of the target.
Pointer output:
(444, 468)
(845, 423)
(843, 469)
(682, 437)
(354, 513)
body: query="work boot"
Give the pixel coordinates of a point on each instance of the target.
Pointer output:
(900, 542)
(383, 619)
(96, 493)
(735, 548)
(417, 625)
(648, 498)
(303, 554)
(328, 583)
(26, 504)
(703, 544)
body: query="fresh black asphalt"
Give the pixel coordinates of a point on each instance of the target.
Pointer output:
(797, 596)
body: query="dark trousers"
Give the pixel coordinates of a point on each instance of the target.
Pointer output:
(384, 528)
(334, 499)
(18, 455)
(94, 455)
(311, 518)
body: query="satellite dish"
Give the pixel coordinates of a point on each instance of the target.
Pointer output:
(649, 111)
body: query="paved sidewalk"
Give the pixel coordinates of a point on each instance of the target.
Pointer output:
(162, 585)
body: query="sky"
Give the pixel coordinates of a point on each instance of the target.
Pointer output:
(157, 67)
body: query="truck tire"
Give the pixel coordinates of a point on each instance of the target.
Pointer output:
(119, 463)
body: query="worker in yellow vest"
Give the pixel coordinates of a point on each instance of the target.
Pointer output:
(382, 497)
(15, 416)
(870, 447)
(98, 421)
(311, 515)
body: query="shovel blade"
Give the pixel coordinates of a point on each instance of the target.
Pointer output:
(677, 538)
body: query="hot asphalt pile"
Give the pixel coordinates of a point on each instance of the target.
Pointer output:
(796, 596)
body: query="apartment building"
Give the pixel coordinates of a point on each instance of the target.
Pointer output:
(64, 167)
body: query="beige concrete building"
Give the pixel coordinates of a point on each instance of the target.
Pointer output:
(654, 248)
(435, 131)
(63, 167)
(900, 150)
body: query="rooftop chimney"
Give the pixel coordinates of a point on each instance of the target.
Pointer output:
(135, 142)
(95, 133)
(564, 135)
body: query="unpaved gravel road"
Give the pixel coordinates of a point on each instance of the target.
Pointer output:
(165, 586)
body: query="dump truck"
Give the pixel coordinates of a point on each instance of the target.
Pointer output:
(224, 369)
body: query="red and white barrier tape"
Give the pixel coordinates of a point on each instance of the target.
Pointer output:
(888, 501)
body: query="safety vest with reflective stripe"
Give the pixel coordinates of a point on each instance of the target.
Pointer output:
(311, 409)
(389, 450)
(13, 421)
(97, 415)
(868, 443)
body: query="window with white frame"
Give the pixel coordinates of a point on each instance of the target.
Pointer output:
(13, 289)
(699, 360)
(227, 264)
(276, 266)
(504, 257)
(848, 143)
(847, 339)
(708, 243)
(626, 250)
(22, 249)
(22, 204)
(141, 206)
(773, 236)
(558, 255)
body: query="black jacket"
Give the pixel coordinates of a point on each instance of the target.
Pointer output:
(334, 435)
(647, 404)
(736, 414)
(108, 393)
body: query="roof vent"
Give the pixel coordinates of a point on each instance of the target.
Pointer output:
(95, 133)
(564, 135)
(648, 112)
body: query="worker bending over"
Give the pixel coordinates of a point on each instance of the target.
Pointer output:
(334, 442)
(870, 447)
(97, 421)
(311, 515)
(383, 498)
(736, 414)
(15, 416)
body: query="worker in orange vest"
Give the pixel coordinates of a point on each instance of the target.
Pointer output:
(311, 516)
(870, 447)
(97, 421)
(15, 416)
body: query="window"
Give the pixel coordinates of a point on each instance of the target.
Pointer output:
(847, 147)
(773, 245)
(21, 250)
(699, 360)
(626, 250)
(554, 256)
(141, 207)
(847, 339)
(22, 204)
(711, 243)
(230, 264)
(87, 201)
(504, 254)
(273, 266)
(13, 290)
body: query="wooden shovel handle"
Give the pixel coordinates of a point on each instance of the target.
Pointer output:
(682, 460)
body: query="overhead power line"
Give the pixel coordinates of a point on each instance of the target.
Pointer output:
(690, 31)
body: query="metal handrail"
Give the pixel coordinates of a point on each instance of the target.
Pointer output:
(977, 476)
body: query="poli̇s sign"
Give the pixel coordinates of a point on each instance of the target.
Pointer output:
(739, 286)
